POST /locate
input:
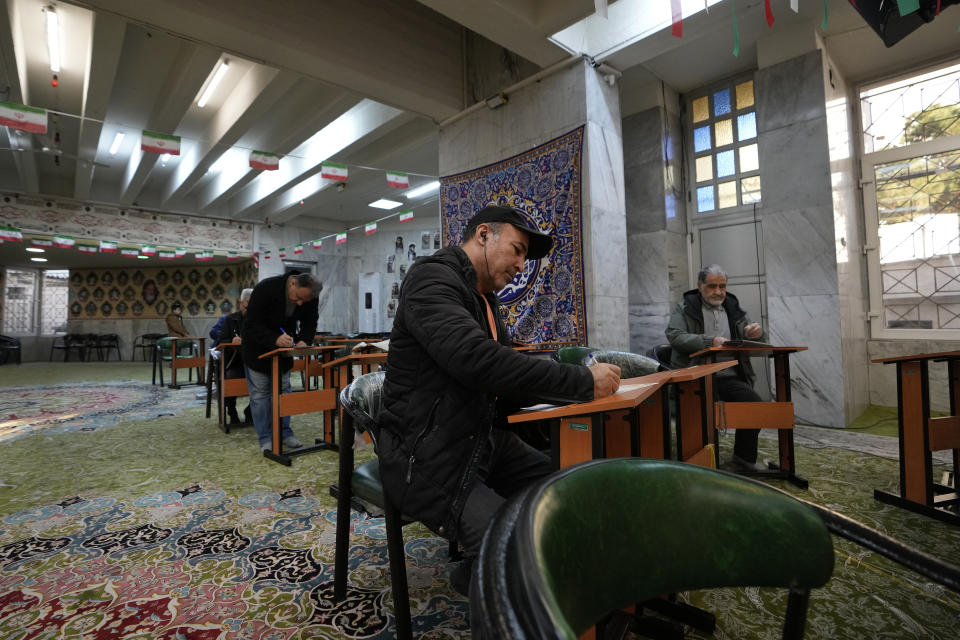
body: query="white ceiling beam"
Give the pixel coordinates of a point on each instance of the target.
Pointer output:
(357, 123)
(188, 72)
(13, 75)
(104, 57)
(250, 99)
(422, 72)
(306, 109)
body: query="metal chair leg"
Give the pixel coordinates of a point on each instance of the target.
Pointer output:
(398, 571)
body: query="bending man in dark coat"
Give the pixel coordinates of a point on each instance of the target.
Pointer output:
(452, 376)
(283, 312)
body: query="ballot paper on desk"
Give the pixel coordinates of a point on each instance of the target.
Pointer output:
(623, 389)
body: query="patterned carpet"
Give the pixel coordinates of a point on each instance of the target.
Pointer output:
(169, 528)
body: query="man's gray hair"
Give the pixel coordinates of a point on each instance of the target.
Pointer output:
(308, 280)
(713, 269)
(245, 295)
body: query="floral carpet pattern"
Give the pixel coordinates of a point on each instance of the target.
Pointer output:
(169, 528)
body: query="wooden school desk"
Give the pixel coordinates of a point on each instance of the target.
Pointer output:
(294, 403)
(196, 361)
(232, 388)
(763, 415)
(920, 435)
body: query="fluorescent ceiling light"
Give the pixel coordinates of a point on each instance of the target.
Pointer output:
(385, 204)
(34, 250)
(117, 139)
(53, 38)
(38, 259)
(164, 157)
(214, 82)
(143, 257)
(423, 189)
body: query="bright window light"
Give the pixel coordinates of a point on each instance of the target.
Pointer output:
(34, 250)
(214, 82)
(423, 189)
(385, 204)
(117, 139)
(53, 39)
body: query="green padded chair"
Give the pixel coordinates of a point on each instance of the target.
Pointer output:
(632, 365)
(162, 355)
(362, 401)
(599, 536)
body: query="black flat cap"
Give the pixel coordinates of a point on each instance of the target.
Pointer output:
(540, 243)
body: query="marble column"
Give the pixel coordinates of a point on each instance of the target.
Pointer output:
(540, 112)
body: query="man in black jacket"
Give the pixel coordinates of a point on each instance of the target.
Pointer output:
(283, 312)
(230, 329)
(452, 377)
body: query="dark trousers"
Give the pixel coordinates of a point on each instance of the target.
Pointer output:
(507, 466)
(736, 389)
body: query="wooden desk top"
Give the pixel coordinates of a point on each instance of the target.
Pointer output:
(699, 371)
(750, 351)
(293, 351)
(943, 355)
(186, 337)
(224, 345)
(357, 358)
(623, 399)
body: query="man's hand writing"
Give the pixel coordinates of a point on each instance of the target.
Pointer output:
(606, 379)
(283, 340)
(753, 331)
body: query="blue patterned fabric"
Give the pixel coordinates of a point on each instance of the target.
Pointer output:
(543, 305)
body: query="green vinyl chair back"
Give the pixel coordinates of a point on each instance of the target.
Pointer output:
(605, 534)
(632, 365)
(164, 348)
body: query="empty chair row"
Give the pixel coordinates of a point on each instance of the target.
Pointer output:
(84, 345)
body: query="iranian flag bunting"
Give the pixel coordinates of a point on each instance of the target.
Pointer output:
(128, 252)
(265, 161)
(160, 143)
(317, 243)
(282, 252)
(370, 228)
(298, 249)
(180, 252)
(233, 255)
(20, 116)
(341, 238)
(398, 180)
(166, 254)
(266, 254)
(107, 246)
(11, 234)
(87, 248)
(41, 242)
(148, 250)
(406, 216)
(330, 171)
(64, 242)
(203, 256)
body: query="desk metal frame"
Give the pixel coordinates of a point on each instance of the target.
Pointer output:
(920, 435)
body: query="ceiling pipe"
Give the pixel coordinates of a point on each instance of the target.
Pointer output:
(502, 96)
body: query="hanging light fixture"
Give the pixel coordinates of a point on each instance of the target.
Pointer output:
(53, 38)
(214, 82)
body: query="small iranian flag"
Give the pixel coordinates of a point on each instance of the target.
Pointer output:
(256, 259)
(203, 256)
(317, 243)
(264, 160)
(341, 238)
(11, 234)
(180, 252)
(282, 252)
(406, 216)
(166, 254)
(160, 143)
(41, 242)
(148, 250)
(87, 248)
(233, 255)
(397, 180)
(298, 249)
(107, 246)
(64, 242)
(20, 116)
(333, 171)
(370, 228)
(266, 254)
(128, 252)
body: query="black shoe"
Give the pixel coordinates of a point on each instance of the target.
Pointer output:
(460, 577)
(737, 464)
(247, 416)
(234, 418)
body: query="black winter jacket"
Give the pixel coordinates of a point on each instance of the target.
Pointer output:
(444, 377)
(266, 314)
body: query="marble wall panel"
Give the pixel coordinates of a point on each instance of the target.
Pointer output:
(816, 374)
(646, 264)
(795, 166)
(603, 168)
(790, 92)
(799, 250)
(645, 197)
(648, 322)
(642, 138)
(604, 252)
(608, 325)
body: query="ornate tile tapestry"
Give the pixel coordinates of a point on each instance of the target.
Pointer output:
(543, 305)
